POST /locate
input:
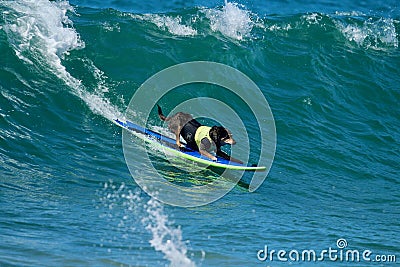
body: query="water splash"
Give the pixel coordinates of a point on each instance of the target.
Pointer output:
(172, 24)
(372, 33)
(129, 210)
(231, 21)
(41, 34)
(41, 27)
(313, 18)
(165, 238)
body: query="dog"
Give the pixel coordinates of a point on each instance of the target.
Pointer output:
(207, 140)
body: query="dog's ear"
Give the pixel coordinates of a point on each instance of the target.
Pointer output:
(223, 133)
(214, 134)
(217, 133)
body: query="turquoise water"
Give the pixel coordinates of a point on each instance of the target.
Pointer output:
(330, 73)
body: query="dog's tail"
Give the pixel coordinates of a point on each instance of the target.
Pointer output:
(161, 115)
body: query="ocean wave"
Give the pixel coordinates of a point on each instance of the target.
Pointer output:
(236, 23)
(42, 27)
(171, 24)
(42, 34)
(231, 20)
(374, 33)
(331, 81)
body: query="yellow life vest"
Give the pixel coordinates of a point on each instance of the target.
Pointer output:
(204, 132)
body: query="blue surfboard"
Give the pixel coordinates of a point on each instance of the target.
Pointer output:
(186, 153)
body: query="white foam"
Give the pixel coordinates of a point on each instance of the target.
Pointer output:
(313, 18)
(375, 34)
(172, 24)
(354, 33)
(276, 27)
(36, 21)
(165, 238)
(42, 34)
(231, 21)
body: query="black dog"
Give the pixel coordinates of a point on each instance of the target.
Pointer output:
(206, 140)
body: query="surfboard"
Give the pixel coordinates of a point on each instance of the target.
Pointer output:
(185, 152)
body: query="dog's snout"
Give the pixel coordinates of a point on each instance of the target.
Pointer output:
(230, 141)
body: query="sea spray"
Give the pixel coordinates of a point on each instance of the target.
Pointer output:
(232, 21)
(128, 211)
(42, 27)
(173, 24)
(41, 34)
(165, 237)
(374, 33)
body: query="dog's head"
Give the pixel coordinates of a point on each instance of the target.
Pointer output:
(221, 136)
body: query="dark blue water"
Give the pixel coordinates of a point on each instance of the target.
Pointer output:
(329, 71)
